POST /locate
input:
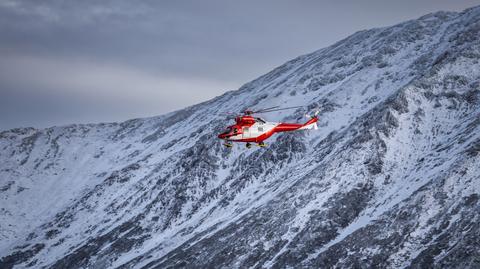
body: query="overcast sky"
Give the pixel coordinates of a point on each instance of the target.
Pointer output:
(91, 61)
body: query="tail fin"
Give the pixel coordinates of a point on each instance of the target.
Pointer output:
(312, 122)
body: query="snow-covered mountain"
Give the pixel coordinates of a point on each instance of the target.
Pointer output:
(391, 179)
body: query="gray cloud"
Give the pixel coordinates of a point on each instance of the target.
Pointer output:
(90, 61)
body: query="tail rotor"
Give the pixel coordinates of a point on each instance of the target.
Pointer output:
(314, 115)
(312, 122)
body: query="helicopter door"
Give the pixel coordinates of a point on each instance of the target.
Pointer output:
(246, 132)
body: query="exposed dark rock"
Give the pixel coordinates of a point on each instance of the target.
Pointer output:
(19, 257)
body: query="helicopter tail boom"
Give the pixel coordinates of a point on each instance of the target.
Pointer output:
(286, 127)
(310, 124)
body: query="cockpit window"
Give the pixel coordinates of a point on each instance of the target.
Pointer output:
(228, 130)
(260, 120)
(232, 129)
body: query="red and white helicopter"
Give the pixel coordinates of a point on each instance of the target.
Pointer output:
(250, 129)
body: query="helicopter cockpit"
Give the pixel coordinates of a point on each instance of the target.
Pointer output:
(231, 130)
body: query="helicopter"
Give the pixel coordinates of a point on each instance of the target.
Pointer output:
(254, 130)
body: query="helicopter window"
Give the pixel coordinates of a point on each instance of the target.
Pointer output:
(260, 129)
(235, 130)
(260, 120)
(245, 129)
(227, 130)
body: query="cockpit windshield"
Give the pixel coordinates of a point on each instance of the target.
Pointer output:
(232, 130)
(227, 130)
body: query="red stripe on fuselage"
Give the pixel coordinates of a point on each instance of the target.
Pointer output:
(287, 127)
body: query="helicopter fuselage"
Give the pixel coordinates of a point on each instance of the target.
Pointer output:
(255, 130)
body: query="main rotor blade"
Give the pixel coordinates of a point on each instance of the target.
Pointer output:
(273, 110)
(227, 113)
(263, 109)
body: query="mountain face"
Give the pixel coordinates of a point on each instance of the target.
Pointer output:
(391, 179)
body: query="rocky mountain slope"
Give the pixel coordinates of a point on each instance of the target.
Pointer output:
(390, 179)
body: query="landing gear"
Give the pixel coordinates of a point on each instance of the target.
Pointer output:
(261, 144)
(248, 145)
